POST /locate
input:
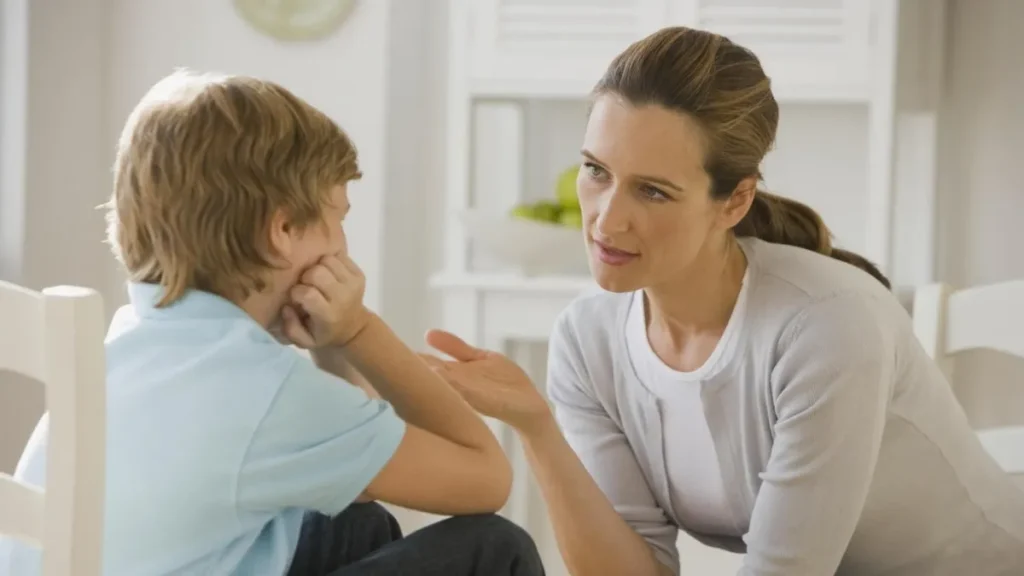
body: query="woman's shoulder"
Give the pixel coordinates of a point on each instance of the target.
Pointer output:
(807, 275)
(587, 337)
(596, 314)
(791, 283)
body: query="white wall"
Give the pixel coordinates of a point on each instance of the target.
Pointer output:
(56, 166)
(414, 165)
(89, 61)
(981, 204)
(344, 75)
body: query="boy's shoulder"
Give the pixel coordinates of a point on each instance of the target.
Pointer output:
(214, 365)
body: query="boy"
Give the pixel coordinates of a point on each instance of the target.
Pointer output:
(228, 452)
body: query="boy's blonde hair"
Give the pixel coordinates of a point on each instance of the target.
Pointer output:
(203, 163)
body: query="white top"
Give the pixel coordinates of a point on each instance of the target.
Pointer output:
(841, 446)
(696, 488)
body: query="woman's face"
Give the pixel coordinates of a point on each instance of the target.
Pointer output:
(647, 212)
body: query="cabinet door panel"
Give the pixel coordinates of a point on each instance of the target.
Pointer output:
(523, 45)
(812, 49)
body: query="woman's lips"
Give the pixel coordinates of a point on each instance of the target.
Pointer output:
(613, 256)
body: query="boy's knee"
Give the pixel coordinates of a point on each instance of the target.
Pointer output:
(499, 533)
(506, 532)
(372, 518)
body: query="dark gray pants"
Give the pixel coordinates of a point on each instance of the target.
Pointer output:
(365, 540)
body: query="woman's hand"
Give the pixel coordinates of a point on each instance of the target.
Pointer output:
(490, 382)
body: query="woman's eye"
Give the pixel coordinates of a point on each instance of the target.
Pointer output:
(652, 193)
(593, 170)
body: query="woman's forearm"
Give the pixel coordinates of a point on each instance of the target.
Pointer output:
(593, 539)
(419, 396)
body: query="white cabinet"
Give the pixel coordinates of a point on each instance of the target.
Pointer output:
(816, 50)
(552, 47)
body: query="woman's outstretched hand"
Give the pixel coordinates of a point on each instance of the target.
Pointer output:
(490, 382)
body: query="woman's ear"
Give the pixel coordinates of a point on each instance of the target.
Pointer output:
(738, 203)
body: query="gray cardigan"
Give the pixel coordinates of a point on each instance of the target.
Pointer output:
(840, 442)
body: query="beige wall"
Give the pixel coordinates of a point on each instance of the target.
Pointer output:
(981, 221)
(66, 153)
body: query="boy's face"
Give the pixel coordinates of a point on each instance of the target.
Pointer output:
(301, 248)
(325, 237)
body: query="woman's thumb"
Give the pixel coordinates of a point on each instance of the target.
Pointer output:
(453, 346)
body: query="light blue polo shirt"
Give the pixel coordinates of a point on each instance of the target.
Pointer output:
(219, 439)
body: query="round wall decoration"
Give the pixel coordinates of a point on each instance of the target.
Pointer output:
(295, 19)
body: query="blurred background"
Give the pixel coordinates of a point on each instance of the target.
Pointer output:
(902, 124)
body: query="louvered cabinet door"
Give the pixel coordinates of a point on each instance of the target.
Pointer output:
(551, 47)
(811, 49)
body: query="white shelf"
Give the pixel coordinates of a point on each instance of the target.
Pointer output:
(517, 283)
(560, 89)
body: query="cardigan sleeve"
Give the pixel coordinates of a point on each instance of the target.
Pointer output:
(831, 384)
(602, 446)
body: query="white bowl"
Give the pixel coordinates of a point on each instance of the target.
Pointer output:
(533, 247)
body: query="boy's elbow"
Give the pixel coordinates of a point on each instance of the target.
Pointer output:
(497, 482)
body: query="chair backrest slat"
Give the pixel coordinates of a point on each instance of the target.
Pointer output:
(21, 331)
(988, 317)
(23, 510)
(56, 338)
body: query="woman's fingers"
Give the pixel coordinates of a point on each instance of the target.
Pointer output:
(481, 400)
(453, 346)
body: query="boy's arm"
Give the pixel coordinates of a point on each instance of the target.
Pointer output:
(334, 361)
(336, 364)
(457, 465)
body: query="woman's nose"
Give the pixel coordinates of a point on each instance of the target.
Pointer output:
(613, 217)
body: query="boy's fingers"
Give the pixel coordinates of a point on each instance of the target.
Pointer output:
(320, 277)
(312, 301)
(350, 265)
(294, 330)
(336, 267)
(453, 346)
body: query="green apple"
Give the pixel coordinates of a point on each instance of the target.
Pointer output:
(565, 188)
(571, 219)
(542, 211)
(523, 212)
(547, 211)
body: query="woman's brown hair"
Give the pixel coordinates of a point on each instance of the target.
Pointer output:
(723, 86)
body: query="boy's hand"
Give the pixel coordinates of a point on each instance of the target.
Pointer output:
(327, 304)
(291, 330)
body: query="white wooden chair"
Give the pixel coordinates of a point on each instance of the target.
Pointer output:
(56, 338)
(985, 317)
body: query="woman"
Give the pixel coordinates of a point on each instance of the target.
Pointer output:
(739, 378)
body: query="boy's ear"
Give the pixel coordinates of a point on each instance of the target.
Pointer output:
(281, 234)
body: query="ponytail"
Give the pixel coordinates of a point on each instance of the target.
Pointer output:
(784, 221)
